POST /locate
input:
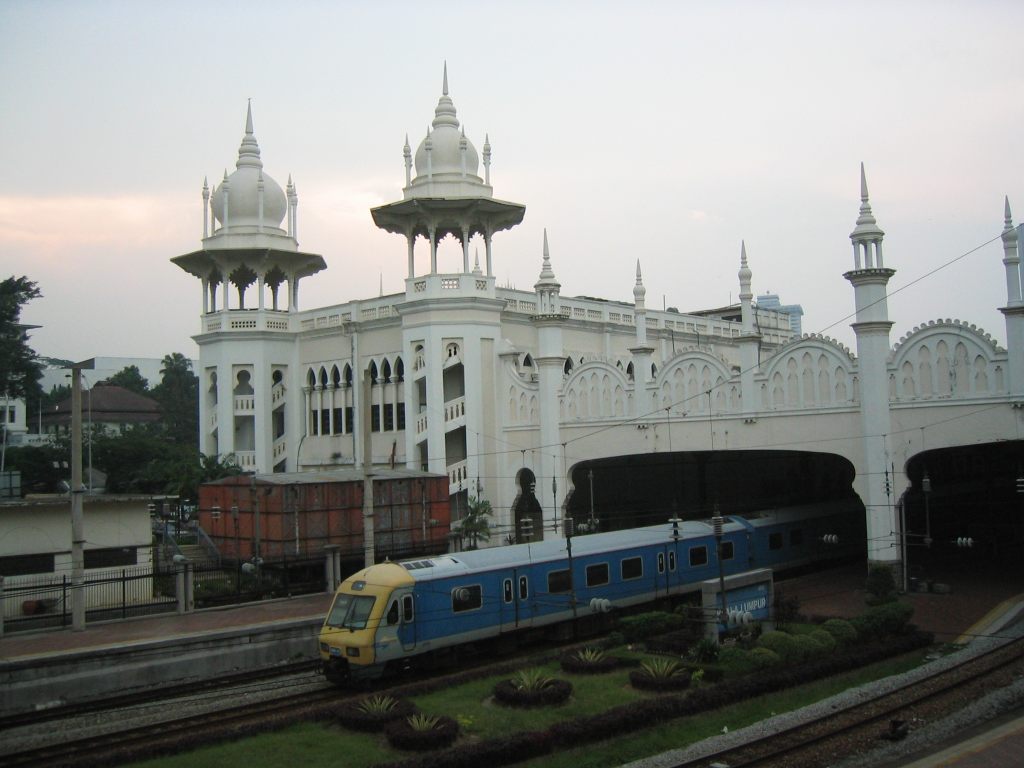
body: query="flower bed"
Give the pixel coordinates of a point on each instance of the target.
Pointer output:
(554, 692)
(366, 715)
(432, 732)
(582, 664)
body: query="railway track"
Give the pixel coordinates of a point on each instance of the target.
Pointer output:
(167, 737)
(857, 727)
(802, 744)
(161, 693)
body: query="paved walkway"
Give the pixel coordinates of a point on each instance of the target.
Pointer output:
(42, 643)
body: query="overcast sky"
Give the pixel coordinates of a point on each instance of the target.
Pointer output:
(665, 132)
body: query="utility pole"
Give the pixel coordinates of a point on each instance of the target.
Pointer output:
(77, 517)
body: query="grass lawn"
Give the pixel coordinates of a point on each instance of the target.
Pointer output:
(328, 746)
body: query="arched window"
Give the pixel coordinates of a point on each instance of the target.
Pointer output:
(567, 368)
(629, 371)
(373, 372)
(385, 371)
(399, 370)
(335, 376)
(347, 375)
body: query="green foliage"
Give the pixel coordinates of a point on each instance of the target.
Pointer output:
(883, 620)
(421, 722)
(706, 650)
(131, 378)
(824, 639)
(661, 667)
(590, 655)
(880, 585)
(531, 679)
(178, 395)
(475, 525)
(643, 625)
(377, 705)
(42, 467)
(19, 369)
(807, 647)
(843, 631)
(696, 678)
(763, 658)
(781, 644)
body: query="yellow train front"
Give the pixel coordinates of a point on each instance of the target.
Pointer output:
(361, 633)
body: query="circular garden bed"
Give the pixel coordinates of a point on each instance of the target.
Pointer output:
(422, 732)
(374, 712)
(553, 692)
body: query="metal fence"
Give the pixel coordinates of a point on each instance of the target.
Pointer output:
(39, 602)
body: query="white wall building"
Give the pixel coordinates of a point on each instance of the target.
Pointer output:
(505, 390)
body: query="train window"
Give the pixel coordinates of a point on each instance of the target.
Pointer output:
(727, 550)
(597, 574)
(661, 562)
(524, 588)
(392, 617)
(698, 556)
(775, 540)
(467, 598)
(796, 537)
(506, 590)
(559, 581)
(407, 609)
(672, 561)
(632, 568)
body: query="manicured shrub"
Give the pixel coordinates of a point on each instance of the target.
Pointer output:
(644, 625)
(764, 658)
(880, 585)
(827, 642)
(883, 620)
(807, 647)
(785, 609)
(419, 732)
(843, 631)
(782, 644)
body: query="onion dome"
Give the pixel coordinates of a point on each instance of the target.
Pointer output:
(246, 186)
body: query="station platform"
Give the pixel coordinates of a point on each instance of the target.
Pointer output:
(53, 667)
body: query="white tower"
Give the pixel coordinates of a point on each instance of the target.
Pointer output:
(749, 340)
(642, 351)
(451, 322)
(246, 350)
(1014, 309)
(550, 359)
(869, 279)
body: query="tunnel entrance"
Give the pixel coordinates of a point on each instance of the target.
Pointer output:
(646, 489)
(973, 492)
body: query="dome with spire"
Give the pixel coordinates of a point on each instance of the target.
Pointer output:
(446, 154)
(242, 189)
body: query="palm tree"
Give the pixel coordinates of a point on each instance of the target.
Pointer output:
(476, 525)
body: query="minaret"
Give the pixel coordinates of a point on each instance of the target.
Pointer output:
(549, 360)
(250, 252)
(749, 340)
(869, 280)
(641, 351)
(1014, 309)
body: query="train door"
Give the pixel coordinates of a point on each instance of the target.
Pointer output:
(509, 604)
(407, 619)
(524, 604)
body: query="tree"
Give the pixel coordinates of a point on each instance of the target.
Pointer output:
(131, 378)
(19, 369)
(475, 525)
(178, 395)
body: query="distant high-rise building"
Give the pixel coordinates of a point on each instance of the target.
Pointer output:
(795, 311)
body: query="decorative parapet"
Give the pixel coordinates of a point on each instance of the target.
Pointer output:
(979, 333)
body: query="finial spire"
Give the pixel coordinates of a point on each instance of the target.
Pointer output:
(863, 184)
(1007, 214)
(743, 253)
(444, 87)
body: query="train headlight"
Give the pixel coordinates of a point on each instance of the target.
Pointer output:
(350, 651)
(325, 647)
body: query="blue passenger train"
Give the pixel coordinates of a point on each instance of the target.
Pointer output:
(398, 613)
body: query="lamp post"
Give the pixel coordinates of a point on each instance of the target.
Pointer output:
(77, 521)
(926, 488)
(89, 408)
(717, 522)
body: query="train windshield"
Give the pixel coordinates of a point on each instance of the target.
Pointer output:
(350, 612)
